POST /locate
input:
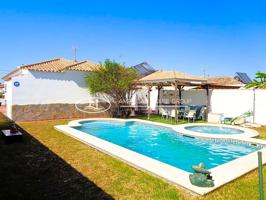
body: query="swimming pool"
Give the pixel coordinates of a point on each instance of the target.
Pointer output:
(166, 145)
(214, 129)
(168, 151)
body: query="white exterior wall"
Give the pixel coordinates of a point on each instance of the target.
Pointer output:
(230, 102)
(154, 96)
(141, 97)
(195, 97)
(2, 100)
(235, 102)
(47, 88)
(260, 107)
(9, 97)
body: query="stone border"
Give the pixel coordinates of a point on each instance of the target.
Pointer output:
(222, 174)
(34, 112)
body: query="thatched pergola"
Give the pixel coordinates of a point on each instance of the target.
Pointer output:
(176, 79)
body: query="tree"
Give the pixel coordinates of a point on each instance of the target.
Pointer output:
(115, 80)
(259, 82)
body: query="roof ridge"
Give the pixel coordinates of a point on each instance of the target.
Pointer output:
(221, 77)
(72, 65)
(77, 63)
(172, 74)
(38, 63)
(172, 71)
(183, 73)
(10, 73)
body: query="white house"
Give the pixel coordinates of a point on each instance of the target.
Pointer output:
(51, 90)
(47, 90)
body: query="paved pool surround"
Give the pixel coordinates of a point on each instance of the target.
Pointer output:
(222, 174)
(246, 132)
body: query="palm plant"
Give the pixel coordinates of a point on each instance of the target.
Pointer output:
(259, 82)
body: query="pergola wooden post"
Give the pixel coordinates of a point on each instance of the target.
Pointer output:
(207, 101)
(176, 103)
(149, 101)
(159, 87)
(180, 93)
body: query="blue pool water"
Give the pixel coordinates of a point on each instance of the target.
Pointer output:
(166, 145)
(214, 129)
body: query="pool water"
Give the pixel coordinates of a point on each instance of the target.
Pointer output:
(214, 129)
(166, 145)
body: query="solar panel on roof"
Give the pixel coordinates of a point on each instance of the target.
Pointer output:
(141, 69)
(144, 69)
(243, 77)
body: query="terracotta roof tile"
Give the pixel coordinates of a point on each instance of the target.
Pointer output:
(224, 80)
(10, 74)
(83, 66)
(55, 65)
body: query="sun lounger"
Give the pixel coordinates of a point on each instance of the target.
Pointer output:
(238, 120)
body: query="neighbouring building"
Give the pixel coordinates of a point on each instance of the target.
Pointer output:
(2, 87)
(225, 82)
(47, 90)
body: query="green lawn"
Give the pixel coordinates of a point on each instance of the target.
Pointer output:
(262, 131)
(51, 165)
(157, 118)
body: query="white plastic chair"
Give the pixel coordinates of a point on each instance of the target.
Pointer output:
(191, 115)
(172, 115)
(163, 113)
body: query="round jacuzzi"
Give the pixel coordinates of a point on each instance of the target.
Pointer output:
(213, 129)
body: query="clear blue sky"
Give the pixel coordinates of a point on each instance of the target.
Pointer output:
(221, 36)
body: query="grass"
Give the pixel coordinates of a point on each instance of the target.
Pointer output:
(51, 165)
(262, 131)
(157, 118)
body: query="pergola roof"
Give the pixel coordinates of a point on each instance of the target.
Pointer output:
(169, 77)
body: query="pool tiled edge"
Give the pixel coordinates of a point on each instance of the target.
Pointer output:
(222, 174)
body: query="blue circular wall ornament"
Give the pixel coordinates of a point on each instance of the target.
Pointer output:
(16, 84)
